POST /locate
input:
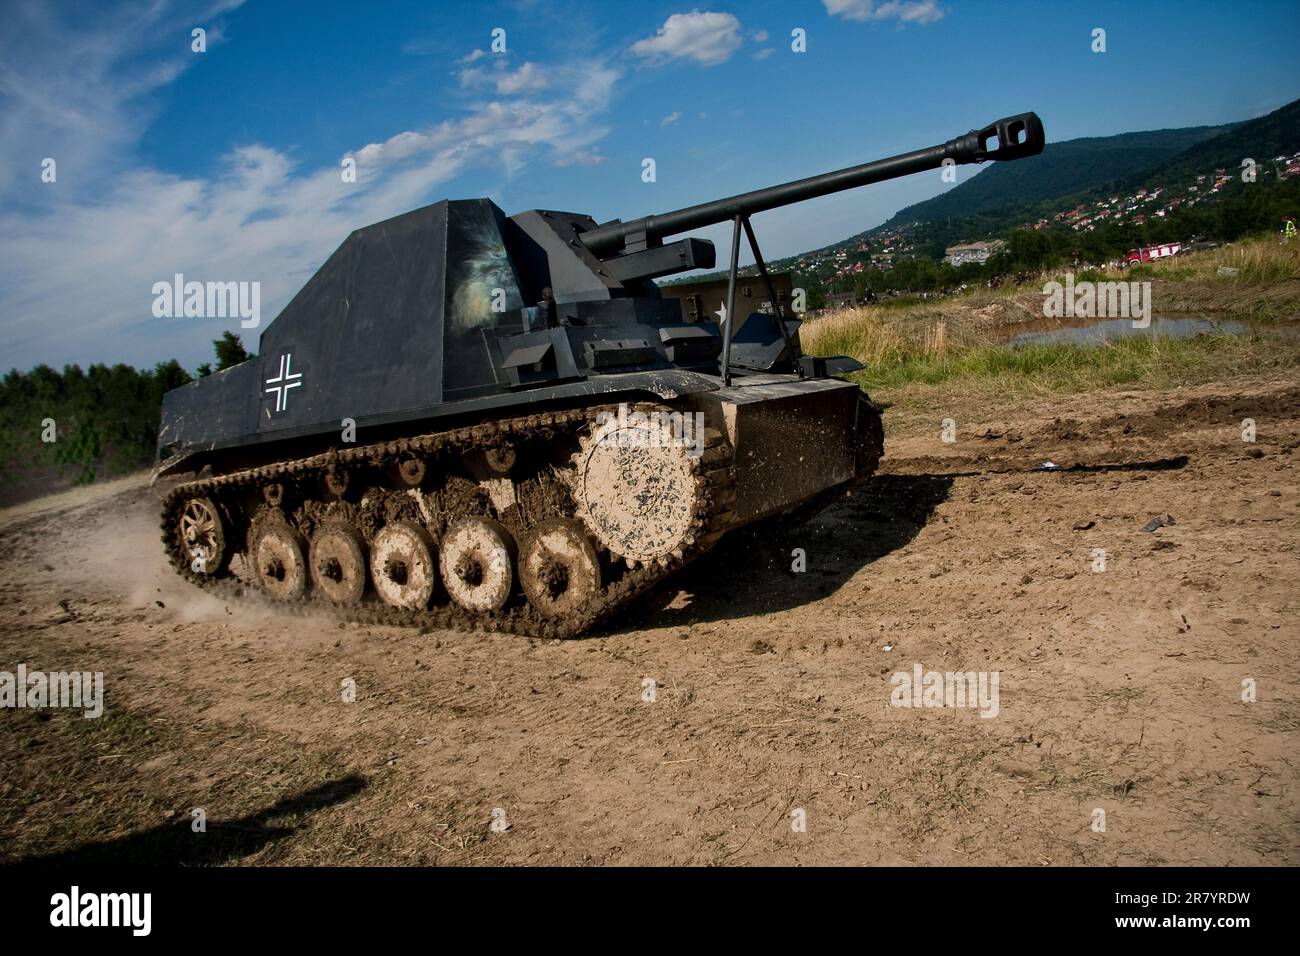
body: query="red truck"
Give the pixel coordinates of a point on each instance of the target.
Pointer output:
(1149, 253)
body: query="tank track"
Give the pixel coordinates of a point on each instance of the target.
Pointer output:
(298, 483)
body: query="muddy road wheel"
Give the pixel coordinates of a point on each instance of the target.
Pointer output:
(279, 556)
(402, 565)
(559, 570)
(478, 564)
(338, 563)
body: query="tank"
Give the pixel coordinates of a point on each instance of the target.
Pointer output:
(466, 419)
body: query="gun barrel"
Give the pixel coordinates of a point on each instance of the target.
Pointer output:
(1017, 136)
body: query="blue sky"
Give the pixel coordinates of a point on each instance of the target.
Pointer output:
(224, 165)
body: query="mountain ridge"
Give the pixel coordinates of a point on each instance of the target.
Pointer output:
(1084, 163)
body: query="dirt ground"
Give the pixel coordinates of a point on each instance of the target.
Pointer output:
(1119, 690)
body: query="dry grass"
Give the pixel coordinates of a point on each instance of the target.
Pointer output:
(962, 342)
(1255, 261)
(865, 334)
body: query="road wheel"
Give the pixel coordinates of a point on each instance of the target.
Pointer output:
(279, 558)
(402, 565)
(338, 563)
(559, 570)
(478, 564)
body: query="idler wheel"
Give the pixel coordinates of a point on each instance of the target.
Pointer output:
(338, 563)
(559, 570)
(478, 564)
(402, 565)
(279, 557)
(203, 540)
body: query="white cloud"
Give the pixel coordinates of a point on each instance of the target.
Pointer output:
(527, 79)
(759, 36)
(905, 11)
(670, 119)
(581, 157)
(77, 288)
(472, 55)
(474, 77)
(763, 54)
(596, 85)
(88, 109)
(706, 38)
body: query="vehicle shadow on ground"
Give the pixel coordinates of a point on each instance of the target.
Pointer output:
(176, 843)
(750, 571)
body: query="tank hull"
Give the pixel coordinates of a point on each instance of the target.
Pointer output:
(318, 532)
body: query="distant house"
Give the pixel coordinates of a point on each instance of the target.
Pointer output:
(971, 252)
